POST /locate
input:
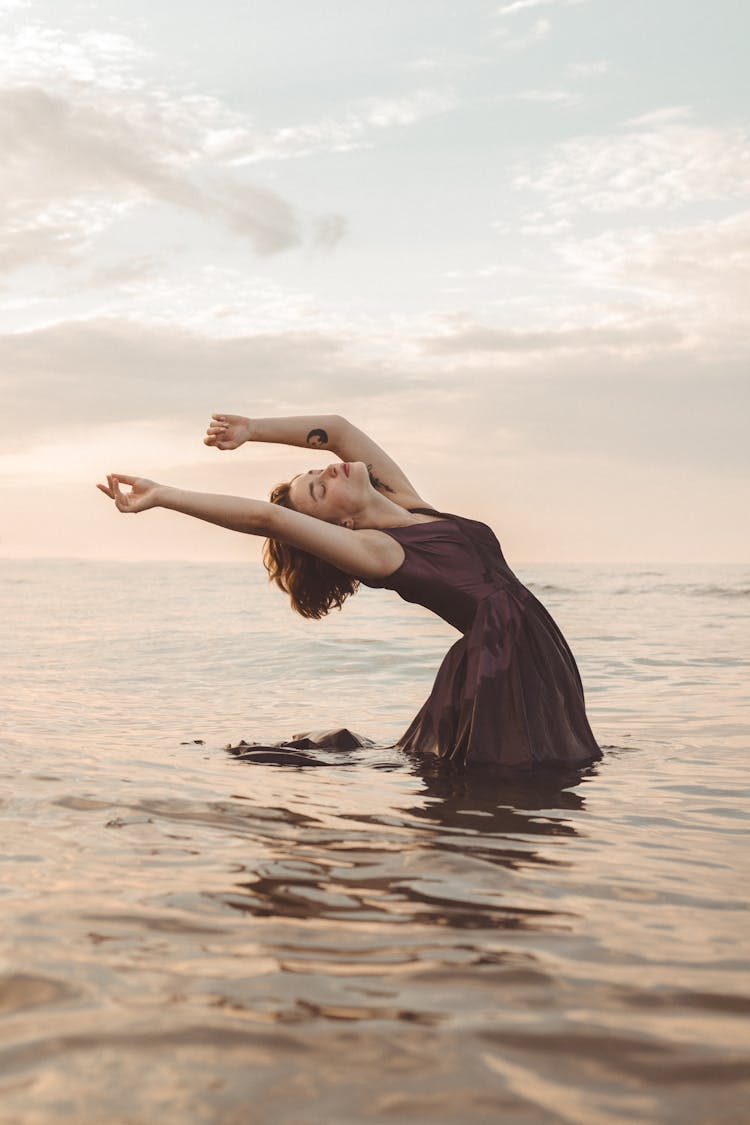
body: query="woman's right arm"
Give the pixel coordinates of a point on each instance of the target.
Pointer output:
(366, 553)
(328, 432)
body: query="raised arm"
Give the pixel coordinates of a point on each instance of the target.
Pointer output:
(329, 432)
(366, 553)
(318, 431)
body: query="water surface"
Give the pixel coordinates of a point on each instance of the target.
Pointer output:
(187, 937)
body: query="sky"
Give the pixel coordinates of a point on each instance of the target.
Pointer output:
(510, 240)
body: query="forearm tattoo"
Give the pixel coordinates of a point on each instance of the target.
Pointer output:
(378, 483)
(317, 438)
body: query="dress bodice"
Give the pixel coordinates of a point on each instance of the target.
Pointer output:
(450, 566)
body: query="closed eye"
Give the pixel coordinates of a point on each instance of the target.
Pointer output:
(321, 495)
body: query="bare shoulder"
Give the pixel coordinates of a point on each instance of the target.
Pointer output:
(367, 553)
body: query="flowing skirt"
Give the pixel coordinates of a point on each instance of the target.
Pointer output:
(508, 694)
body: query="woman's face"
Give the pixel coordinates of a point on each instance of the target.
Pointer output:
(332, 494)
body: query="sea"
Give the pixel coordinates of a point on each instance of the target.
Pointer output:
(188, 937)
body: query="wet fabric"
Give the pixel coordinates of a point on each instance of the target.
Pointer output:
(508, 693)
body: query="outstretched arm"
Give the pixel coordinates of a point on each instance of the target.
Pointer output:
(328, 432)
(366, 553)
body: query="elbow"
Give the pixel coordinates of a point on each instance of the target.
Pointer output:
(334, 424)
(338, 426)
(267, 520)
(257, 518)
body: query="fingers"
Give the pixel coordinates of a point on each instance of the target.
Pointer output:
(111, 489)
(124, 501)
(121, 499)
(115, 486)
(217, 429)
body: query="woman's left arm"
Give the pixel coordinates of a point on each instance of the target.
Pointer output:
(324, 431)
(317, 431)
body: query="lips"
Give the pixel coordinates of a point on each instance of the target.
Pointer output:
(346, 469)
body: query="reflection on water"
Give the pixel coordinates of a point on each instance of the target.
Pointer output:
(363, 874)
(191, 935)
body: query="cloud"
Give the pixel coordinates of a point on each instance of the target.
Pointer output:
(698, 273)
(535, 32)
(446, 59)
(134, 269)
(538, 30)
(87, 139)
(81, 373)
(627, 337)
(588, 69)
(631, 388)
(536, 223)
(523, 5)
(91, 139)
(634, 395)
(329, 230)
(660, 116)
(76, 166)
(662, 161)
(352, 129)
(553, 97)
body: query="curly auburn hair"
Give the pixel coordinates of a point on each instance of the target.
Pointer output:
(314, 586)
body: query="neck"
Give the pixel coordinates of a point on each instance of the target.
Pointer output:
(380, 512)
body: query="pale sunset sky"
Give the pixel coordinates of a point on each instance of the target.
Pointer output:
(511, 240)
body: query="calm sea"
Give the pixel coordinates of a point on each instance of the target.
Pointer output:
(187, 937)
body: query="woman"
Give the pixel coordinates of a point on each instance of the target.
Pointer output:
(508, 693)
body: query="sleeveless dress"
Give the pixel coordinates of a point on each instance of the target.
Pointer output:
(507, 696)
(508, 693)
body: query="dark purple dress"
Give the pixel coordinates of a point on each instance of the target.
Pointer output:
(508, 693)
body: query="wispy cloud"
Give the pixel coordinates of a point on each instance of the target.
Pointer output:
(552, 97)
(355, 128)
(661, 160)
(700, 273)
(90, 140)
(588, 69)
(627, 337)
(540, 29)
(8, 6)
(78, 166)
(524, 5)
(447, 60)
(661, 116)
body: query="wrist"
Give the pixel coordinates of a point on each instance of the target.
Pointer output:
(166, 496)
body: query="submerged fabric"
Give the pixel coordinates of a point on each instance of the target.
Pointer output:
(508, 693)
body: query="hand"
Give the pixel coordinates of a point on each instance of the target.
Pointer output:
(227, 431)
(142, 495)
